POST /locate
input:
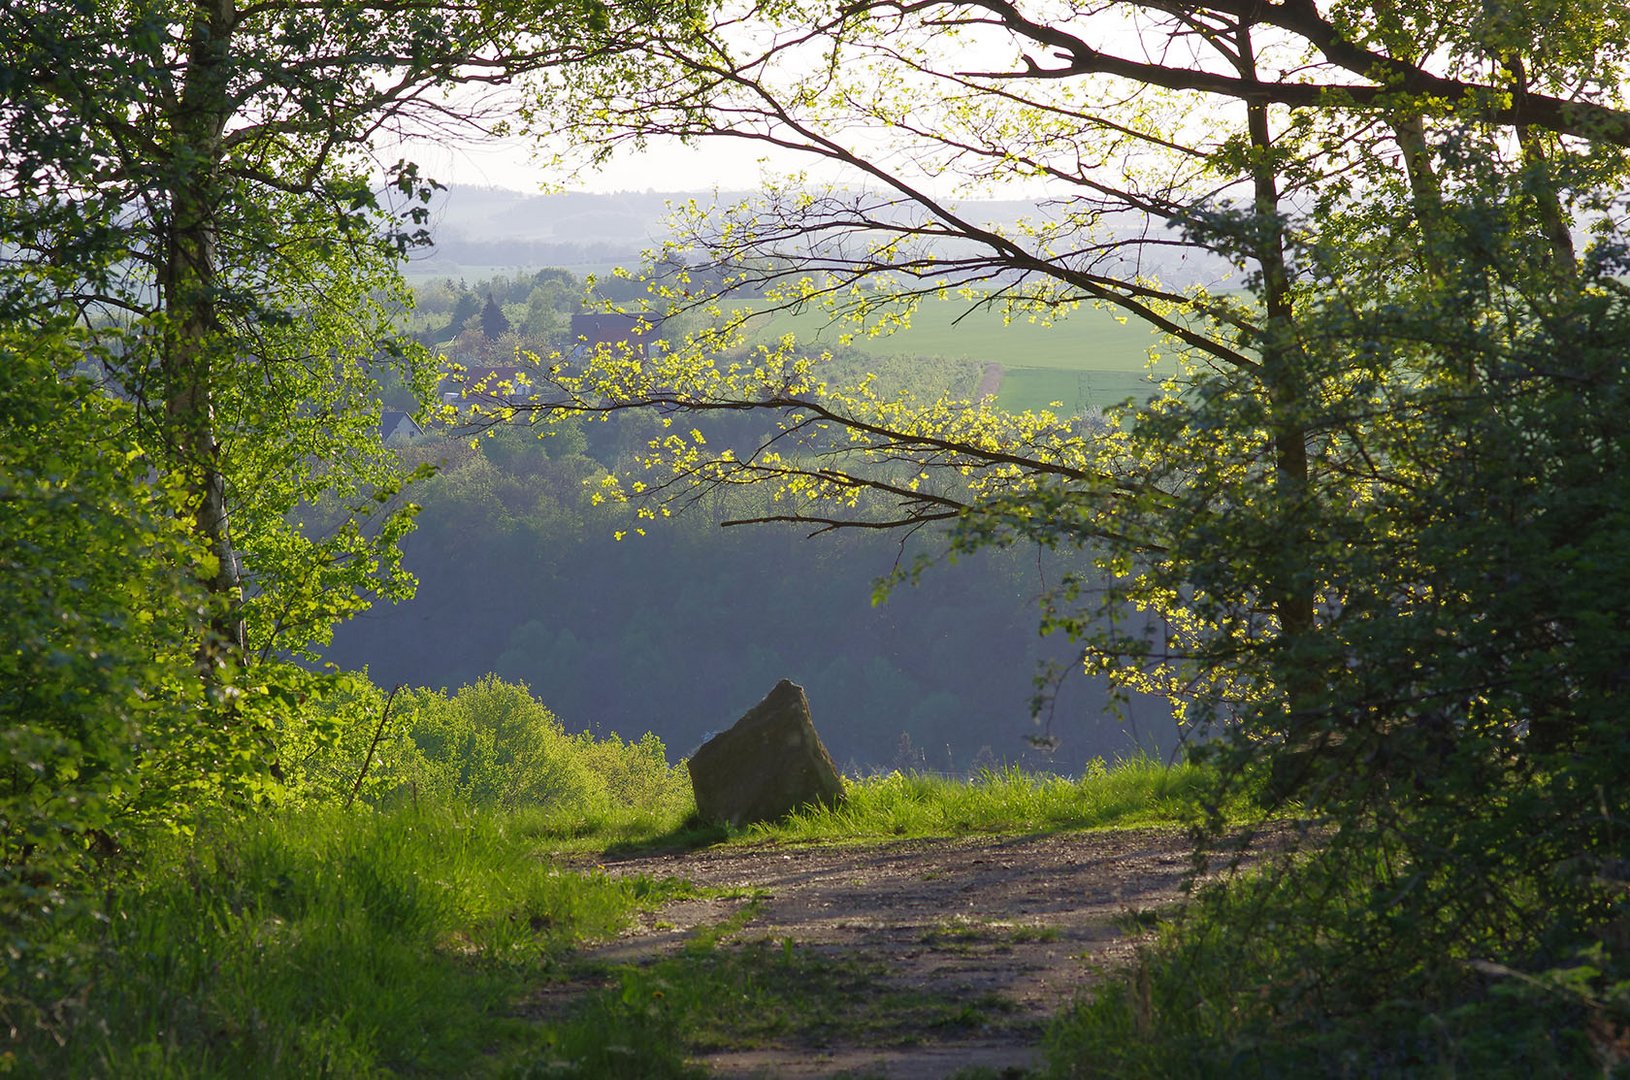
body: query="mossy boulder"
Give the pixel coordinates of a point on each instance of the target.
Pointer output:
(768, 764)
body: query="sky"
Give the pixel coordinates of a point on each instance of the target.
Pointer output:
(508, 163)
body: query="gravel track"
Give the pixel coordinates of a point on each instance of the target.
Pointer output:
(1032, 920)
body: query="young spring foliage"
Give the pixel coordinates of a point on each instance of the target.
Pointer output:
(198, 310)
(195, 185)
(1367, 541)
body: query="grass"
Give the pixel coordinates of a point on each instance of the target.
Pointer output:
(320, 942)
(1087, 360)
(615, 831)
(960, 933)
(400, 941)
(1079, 393)
(1087, 339)
(1136, 792)
(652, 1020)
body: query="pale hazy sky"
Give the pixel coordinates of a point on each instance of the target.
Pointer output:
(722, 164)
(719, 163)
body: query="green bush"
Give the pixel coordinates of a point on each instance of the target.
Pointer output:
(1291, 971)
(492, 745)
(488, 746)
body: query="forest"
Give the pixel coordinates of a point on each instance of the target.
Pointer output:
(1350, 563)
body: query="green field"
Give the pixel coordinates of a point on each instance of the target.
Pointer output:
(1087, 360)
(1076, 392)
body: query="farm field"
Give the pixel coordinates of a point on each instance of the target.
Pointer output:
(1076, 392)
(1087, 360)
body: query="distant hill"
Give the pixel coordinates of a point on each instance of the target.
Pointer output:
(480, 230)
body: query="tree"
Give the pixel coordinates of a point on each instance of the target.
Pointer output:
(493, 321)
(464, 310)
(1355, 538)
(194, 184)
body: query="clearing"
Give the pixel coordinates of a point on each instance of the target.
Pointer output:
(1004, 930)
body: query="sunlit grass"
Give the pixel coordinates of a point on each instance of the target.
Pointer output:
(322, 942)
(575, 831)
(1135, 792)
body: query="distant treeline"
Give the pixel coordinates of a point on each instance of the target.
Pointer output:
(525, 309)
(530, 253)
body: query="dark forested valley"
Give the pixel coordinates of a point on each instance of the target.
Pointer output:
(682, 629)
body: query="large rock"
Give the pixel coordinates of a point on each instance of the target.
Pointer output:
(771, 762)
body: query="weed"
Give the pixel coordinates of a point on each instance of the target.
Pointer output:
(964, 935)
(1022, 934)
(1138, 920)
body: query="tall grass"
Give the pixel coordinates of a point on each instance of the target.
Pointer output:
(324, 942)
(1136, 792)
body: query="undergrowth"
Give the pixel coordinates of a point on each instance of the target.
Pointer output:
(322, 942)
(1294, 971)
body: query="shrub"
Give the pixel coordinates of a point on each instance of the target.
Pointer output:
(491, 745)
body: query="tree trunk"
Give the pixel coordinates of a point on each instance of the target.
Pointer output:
(1564, 259)
(1424, 187)
(190, 288)
(1289, 588)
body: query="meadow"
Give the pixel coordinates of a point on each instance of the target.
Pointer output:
(1088, 359)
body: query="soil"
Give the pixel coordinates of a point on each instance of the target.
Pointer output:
(1030, 920)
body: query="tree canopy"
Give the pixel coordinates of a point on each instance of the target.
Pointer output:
(199, 305)
(1364, 537)
(199, 183)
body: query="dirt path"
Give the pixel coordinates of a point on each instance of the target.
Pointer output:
(1022, 922)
